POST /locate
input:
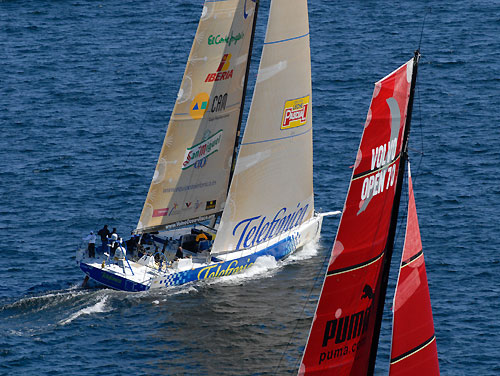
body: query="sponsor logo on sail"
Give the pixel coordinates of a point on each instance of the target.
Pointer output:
(200, 163)
(223, 73)
(219, 103)
(197, 205)
(188, 204)
(210, 205)
(295, 113)
(160, 212)
(214, 40)
(190, 187)
(202, 150)
(347, 328)
(255, 230)
(382, 157)
(199, 106)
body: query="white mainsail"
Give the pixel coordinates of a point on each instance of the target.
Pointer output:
(272, 187)
(192, 174)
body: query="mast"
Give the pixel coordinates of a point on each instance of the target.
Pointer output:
(394, 220)
(243, 96)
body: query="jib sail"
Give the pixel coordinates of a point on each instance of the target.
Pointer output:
(414, 350)
(271, 191)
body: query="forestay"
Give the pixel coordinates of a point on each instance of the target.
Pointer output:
(192, 173)
(272, 191)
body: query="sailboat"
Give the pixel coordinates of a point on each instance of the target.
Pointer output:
(220, 211)
(344, 335)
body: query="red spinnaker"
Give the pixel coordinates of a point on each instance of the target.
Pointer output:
(414, 350)
(340, 339)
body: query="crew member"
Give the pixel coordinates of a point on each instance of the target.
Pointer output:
(104, 234)
(201, 236)
(179, 254)
(202, 242)
(91, 246)
(120, 254)
(113, 244)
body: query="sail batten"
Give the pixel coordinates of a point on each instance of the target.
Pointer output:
(195, 163)
(413, 351)
(287, 39)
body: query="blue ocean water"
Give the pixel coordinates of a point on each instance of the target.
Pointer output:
(86, 91)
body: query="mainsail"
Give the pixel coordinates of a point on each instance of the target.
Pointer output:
(271, 190)
(414, 350)
(345, 322)
(192, 174)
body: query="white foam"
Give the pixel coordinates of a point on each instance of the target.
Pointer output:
(309, 250)
(264, 266)
(42, 302)
(100, 306)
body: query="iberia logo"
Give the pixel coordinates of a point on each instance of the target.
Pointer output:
(223, 72)
(295, 113)
(199, 106)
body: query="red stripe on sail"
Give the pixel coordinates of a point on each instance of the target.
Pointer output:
(414, 350)
(341, 334)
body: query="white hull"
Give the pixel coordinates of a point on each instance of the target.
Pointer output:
(145, 273)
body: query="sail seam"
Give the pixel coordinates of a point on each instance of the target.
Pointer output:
(414, 350)
(287, 40)
(412, 258)
(275, 139)
(363, 174)
(355, 267)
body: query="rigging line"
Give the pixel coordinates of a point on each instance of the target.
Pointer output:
(315, 281)
(423, 24)
(421, 138)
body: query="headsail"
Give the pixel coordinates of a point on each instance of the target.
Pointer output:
(414, 350)
(271, 190)
(192, 173)
(340, 340)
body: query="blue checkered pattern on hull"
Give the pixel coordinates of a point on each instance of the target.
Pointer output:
(175, 279)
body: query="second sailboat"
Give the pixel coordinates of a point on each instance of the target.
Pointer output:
(222, 212)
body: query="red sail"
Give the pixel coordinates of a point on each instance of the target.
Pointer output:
(341, 334)
(414, 350)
